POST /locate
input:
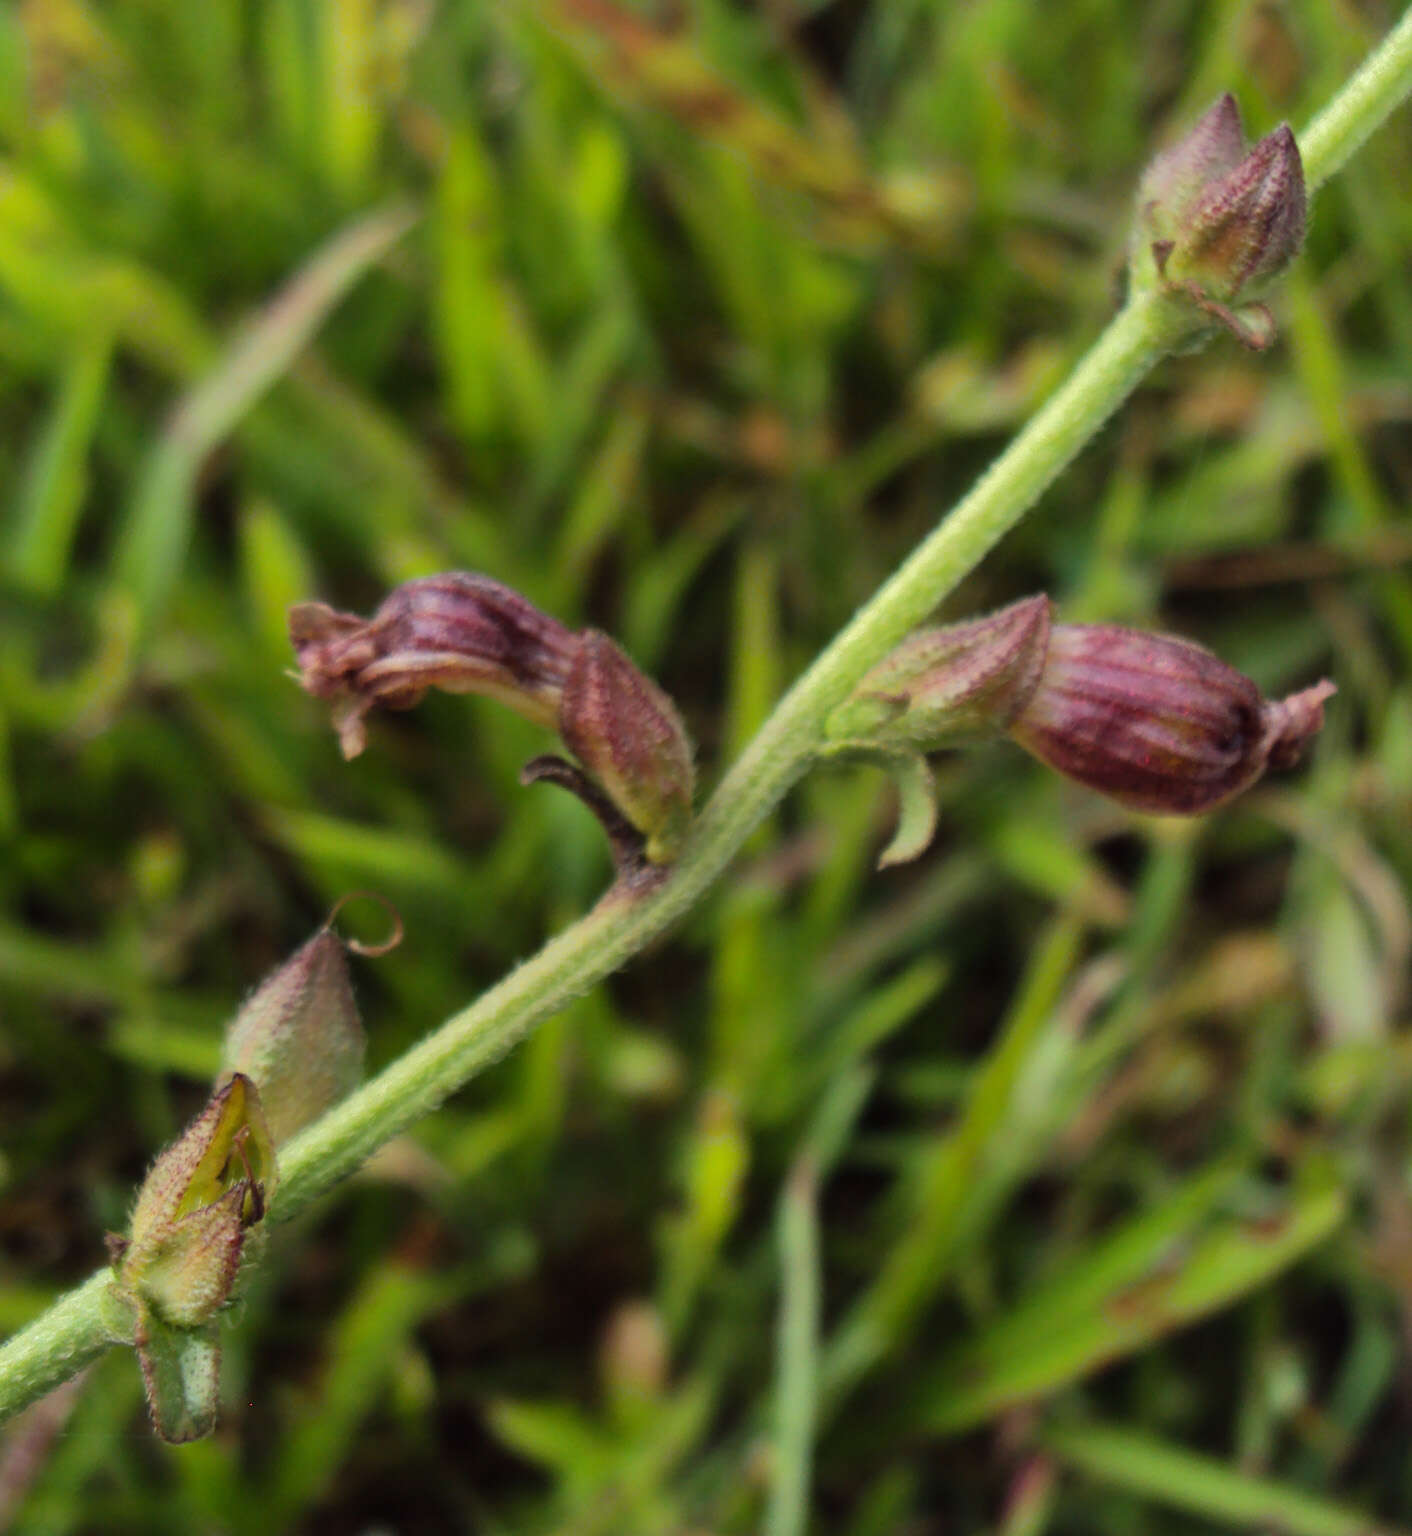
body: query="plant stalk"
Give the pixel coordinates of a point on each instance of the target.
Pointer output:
(625, 922)
(72, 1331)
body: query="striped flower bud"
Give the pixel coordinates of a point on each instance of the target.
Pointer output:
(1211, 148)
(1158, 723)
(1155, 722)
(628, 735)
(1215, 220)
(468, 634)
(460, 631)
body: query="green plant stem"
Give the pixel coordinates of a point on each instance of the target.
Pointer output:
(55, 1345)
(71, 1332)
(1382, 82)
(623, 923)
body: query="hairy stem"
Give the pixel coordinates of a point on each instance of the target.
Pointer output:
(55, 1345)
(72, 1331)
(622, 924)
(1382, 83)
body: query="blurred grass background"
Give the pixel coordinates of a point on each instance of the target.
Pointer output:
(1057, 1183)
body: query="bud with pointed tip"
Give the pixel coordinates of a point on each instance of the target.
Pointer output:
(627, 733)
(1215, 220)
(1158, 723)
(1211, 148)
(1248, 225)
(190, 1230)
(298, 1036)
(181, 1374)
(946, 684)
(194, 1208)
(459, 631)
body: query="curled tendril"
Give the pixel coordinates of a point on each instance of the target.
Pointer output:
(362, 946)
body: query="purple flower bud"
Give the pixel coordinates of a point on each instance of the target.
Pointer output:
(1215, 221)
(468, 634)
(1156, 722)
(1247, 225)
(628, 735)
(1213, 145)
(944, 685)
(459, 631)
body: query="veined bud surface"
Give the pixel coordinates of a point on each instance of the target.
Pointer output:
(1158, 723)
(627, 733)
(469, 634)
(950, 683)
(298, 1036)
(201, 1196)
(1217, 219)
(460, 631)
(1153, 721)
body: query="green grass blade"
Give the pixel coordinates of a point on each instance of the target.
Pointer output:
(155, 533)
(1203, 1486)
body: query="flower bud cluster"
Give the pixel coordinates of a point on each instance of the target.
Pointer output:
(189, 1232)
(293, 1049)
(1216, 219)
(1153, 721)
(466, 633)
(195, 1206)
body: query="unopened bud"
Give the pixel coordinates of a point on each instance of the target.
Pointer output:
(194, 1208)
(298, 1035)
(181, 1373)
(1247, 226)
(460, 631)
(949, 684)
(1216, 220)
(627, 733)
(1156, 722)
(1213, 146)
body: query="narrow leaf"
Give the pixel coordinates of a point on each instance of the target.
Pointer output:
(1203, 1486)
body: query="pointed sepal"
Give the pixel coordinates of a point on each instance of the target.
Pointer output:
(916, 809)
(181, 1375)
(629, 737)
(911, 776)
(950, 684)
(298, 1036)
